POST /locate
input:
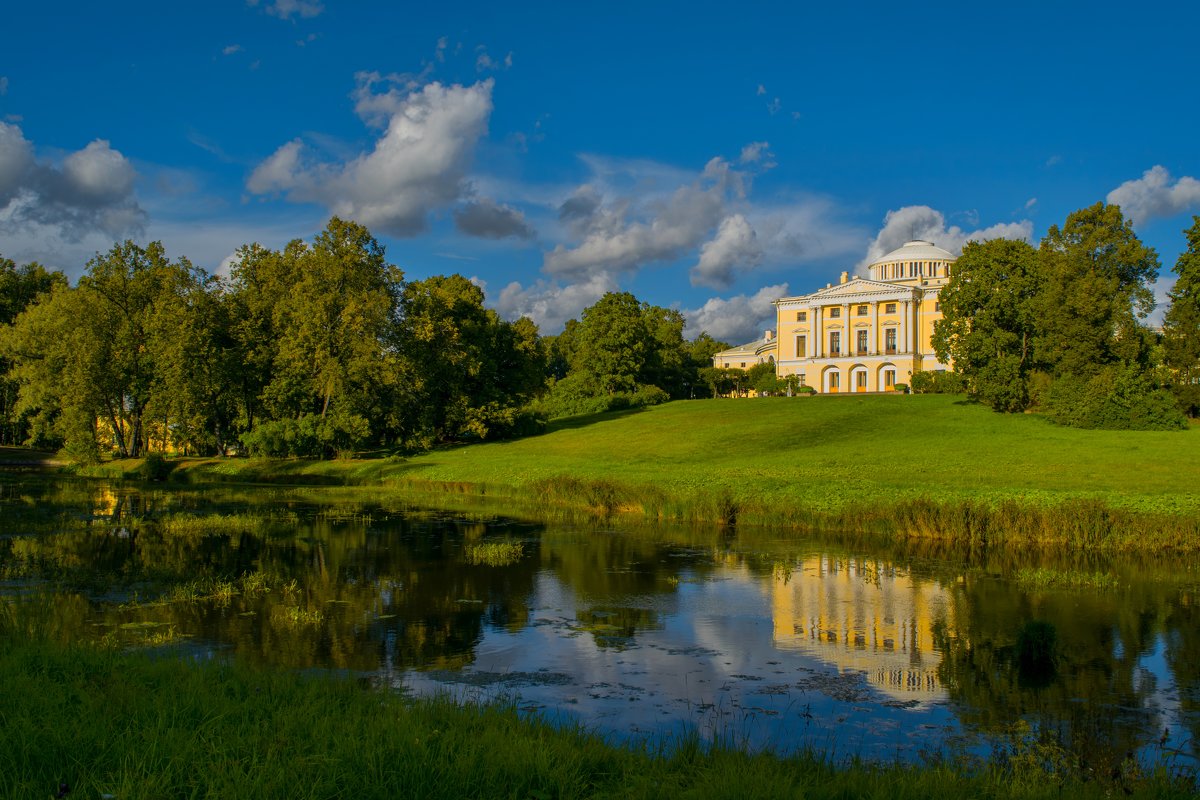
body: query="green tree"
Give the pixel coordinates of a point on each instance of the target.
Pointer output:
(700, 356)
(668, 358)
(85, 355)
(612, 343)
(1181, 326)
(1099, 356)
(1097, 275)
(19, 287)
(472, 372)
(989, 320)
(762, 378)
(197, 363)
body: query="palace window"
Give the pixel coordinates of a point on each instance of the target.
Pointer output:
(937, 306)
(862, 311)
(862, 343)
(889, 379)
(743, 365)
(835, 312)
(835, 343)
(889, 341)
(802, 383)
(801, 346)
(801, 316)
(889, 308)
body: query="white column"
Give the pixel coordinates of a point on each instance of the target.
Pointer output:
(872, 343)
(816, 333)
(902, 345)
(909, 315)
(847, 342)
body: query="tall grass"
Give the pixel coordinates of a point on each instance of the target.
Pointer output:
(127, 725)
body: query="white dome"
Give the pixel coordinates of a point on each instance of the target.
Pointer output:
(916, 250)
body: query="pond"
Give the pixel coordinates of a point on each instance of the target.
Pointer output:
(753, 639)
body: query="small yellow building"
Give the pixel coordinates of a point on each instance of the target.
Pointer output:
(860, 334)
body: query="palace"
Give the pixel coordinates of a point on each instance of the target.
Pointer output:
(862, 334)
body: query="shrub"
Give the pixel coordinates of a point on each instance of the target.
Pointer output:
(154, 468)
(309, 436)
(902, 388)
(575, 395)
(1118, 398)
(938, 382)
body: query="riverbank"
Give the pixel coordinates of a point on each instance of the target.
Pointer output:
(927, 466)
(131, 725)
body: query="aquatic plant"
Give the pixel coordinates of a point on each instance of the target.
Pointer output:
(493, 554)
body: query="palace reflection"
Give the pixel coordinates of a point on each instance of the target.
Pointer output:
(867, 616)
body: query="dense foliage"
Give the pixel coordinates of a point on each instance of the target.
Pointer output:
(312, 350)
(1060, 327)
(1181, 326)
(624, 353)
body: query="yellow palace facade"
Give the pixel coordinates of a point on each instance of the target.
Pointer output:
(861, 334)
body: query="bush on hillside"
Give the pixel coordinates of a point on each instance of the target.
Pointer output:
(1115, 399)
(309, 436)
(938, 382)
(575, 395)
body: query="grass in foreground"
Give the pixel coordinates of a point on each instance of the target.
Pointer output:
(925, 465)
(129, 726)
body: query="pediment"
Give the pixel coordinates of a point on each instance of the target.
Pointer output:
(856, 290)
(861, 286)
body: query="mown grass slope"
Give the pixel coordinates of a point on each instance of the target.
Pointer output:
(833, 453)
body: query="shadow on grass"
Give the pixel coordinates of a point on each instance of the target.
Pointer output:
(585, 420)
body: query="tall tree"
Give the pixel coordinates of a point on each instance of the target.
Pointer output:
(471, 371)
(989, 321)
(19, 287)
(336, 324)
(613, 343)
(85, 355)
(1090, 336)
(1097, 287)
(1181, 326)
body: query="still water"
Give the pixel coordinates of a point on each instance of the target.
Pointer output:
(756, 640)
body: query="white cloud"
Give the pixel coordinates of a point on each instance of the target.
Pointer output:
(418, 165)
(1030, 203)
(91, 190)
(758, 153)
(230, 49)
(1154, 195)
(549, 304)
(923, 222)
(735, 245)
(807, 229)
(488, 220)
(286, 9)
(736, 320)
(663, 228)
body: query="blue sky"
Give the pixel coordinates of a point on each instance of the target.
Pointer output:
(708, 157)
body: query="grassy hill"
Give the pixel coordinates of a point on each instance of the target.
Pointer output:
(912, 464)
(832, 453)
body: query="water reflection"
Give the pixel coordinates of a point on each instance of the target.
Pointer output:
(848, 648)
(865, 615)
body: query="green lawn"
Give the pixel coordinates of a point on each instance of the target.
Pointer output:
(834, 453)
(932, 466)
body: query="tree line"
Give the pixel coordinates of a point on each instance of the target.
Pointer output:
(311, 350)
(1060, 327)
